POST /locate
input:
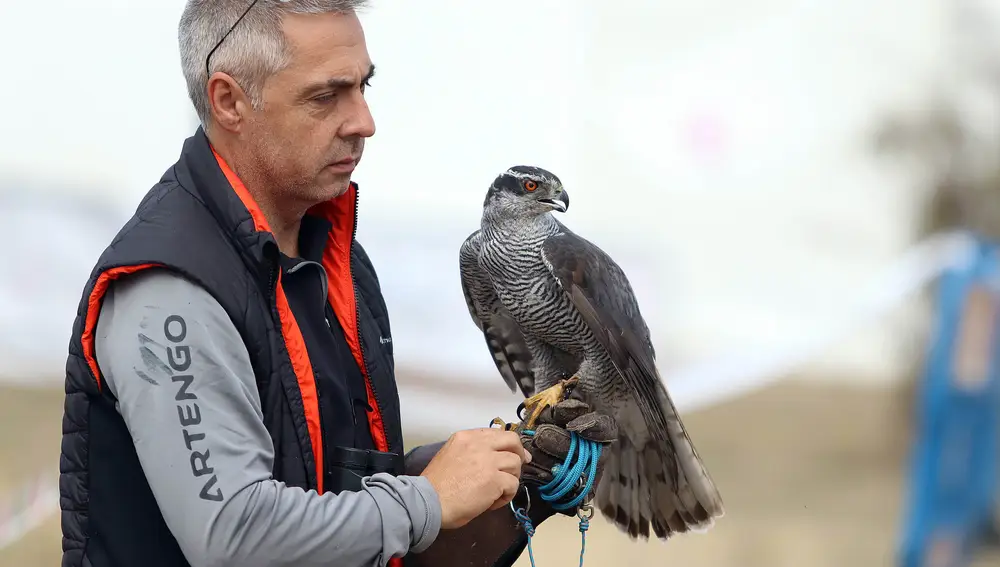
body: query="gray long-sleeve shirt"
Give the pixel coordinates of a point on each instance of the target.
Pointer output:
(208, 457)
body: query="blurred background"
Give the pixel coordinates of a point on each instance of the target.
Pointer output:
(780, 179)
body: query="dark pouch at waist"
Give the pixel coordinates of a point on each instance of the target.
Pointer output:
(347, 466)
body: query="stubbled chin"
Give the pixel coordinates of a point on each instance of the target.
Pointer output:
(330, 185)
(328, 191)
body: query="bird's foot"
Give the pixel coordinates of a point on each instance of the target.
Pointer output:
(504, 425)
(535, 405)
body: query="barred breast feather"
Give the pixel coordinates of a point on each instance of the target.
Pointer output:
(503, 336)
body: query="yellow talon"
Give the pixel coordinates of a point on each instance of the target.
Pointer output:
(546, 398)
(536, 404)
(503, 424)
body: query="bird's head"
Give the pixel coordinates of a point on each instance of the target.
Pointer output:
(524, 192)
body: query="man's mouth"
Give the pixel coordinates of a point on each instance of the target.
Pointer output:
(345, 165)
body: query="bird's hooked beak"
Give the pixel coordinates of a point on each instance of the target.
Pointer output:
(559, 204)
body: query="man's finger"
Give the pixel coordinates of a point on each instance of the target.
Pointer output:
(510, 441)
(552, 440)
(509, 485)
(568, 410)
(509, 463)
(595, 427)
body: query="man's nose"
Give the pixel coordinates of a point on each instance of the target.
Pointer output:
(359, 121)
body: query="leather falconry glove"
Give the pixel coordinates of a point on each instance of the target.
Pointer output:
(495, 539)
(551, 443)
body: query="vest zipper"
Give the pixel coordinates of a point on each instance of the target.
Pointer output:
(357, 310)
(272, 288)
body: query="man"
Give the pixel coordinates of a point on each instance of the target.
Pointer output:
(228, 398)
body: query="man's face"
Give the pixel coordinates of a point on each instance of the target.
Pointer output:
(311, 130)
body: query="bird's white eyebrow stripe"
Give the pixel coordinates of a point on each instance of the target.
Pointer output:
(520, 175)
(516, 174)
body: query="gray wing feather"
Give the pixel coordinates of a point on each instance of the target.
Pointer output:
(599, 290)
(602, 294)
(510, 352)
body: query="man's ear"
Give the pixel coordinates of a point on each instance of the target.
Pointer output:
(229, 104)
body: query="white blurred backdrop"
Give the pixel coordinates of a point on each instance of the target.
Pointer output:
(723, 151)
(717, 149)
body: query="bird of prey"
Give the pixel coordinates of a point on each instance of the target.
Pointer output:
(559, 315)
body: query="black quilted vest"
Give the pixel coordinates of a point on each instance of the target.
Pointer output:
(199, 221)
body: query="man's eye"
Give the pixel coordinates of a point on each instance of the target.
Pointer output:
(325, 97)
(365, 85)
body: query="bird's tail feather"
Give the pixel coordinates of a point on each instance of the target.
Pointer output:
(659, 486)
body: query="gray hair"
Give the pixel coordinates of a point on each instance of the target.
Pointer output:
(255, 49)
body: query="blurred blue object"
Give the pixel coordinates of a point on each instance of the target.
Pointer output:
(953, 498)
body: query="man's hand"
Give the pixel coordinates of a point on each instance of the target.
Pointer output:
(550, 443)
(475, 471)
(494, 538)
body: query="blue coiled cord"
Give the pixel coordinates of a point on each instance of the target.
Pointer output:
(581, 458)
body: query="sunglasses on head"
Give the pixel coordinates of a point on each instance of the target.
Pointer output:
(208, 57)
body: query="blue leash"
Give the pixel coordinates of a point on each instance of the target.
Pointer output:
(582, 457)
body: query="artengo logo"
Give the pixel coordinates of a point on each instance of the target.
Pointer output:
(188, 412)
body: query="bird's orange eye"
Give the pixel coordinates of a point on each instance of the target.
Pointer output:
(530, 185)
